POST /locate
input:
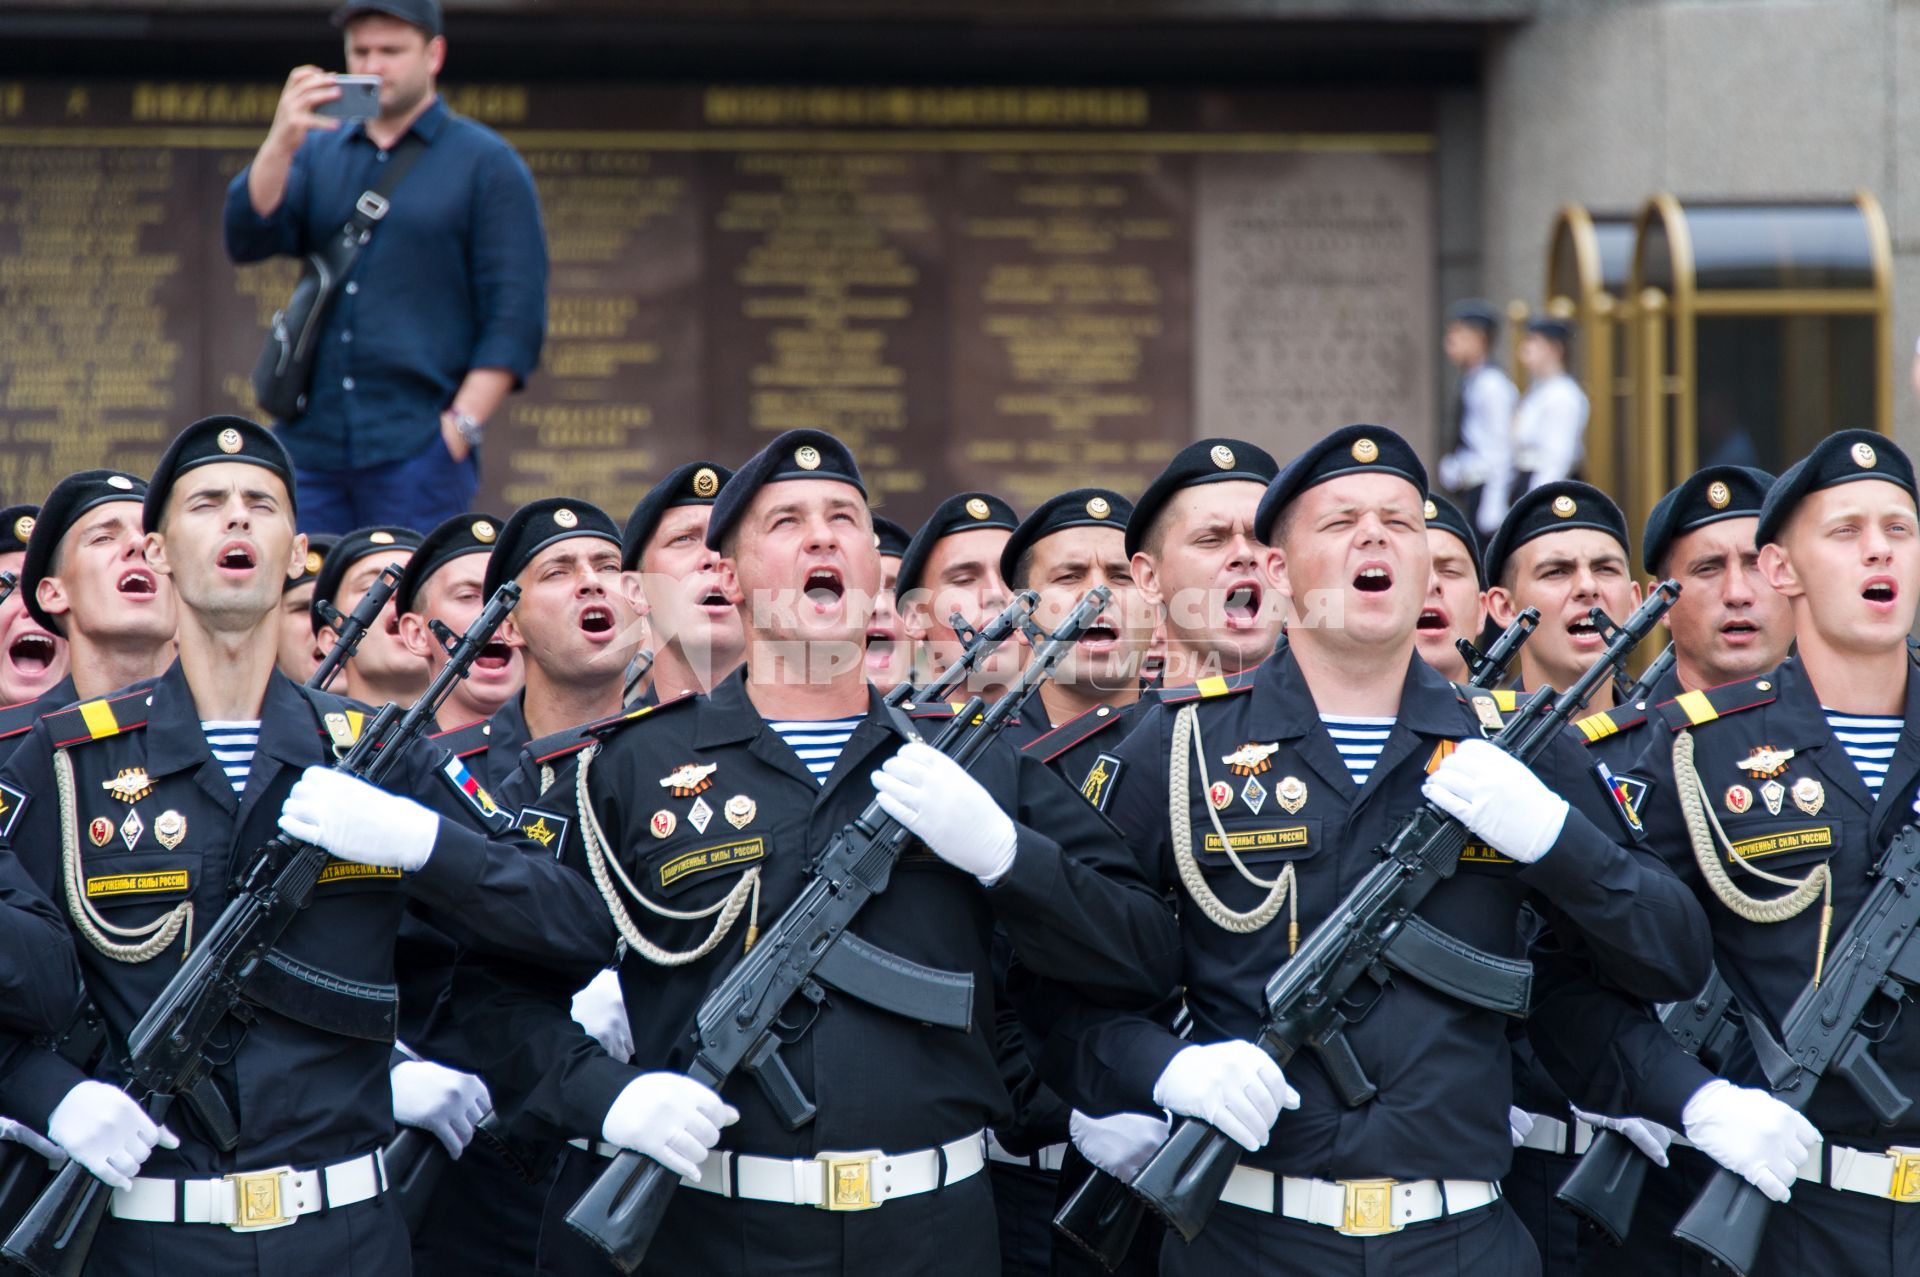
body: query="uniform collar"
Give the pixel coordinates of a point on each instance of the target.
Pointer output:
(1800, 723)
(731, 719)
(1429, 704)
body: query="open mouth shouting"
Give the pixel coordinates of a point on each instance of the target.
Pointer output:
(237, 559)
(494, 658)
(1373, 578)
(1101, 636)
(824, 589)
(882, 642)
(1242, 604)
(1880, 593)
(1584, 632)
(1739, 632)
(596, 622)
(32, 653)
(714, 602)
(138, 583)
(1433, 620)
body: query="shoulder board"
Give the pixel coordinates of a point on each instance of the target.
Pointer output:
(15, 719)
(571, 741)
(1080, 727)
(933, 709)
(1505, 699)
(338, 719)
(470, 738)
(98, 719)
(1691, 709)
(1208, 688)
(608, 726)
(1595, 728)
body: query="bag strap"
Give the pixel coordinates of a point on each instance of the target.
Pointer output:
(376, 199)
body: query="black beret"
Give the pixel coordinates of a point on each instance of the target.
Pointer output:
(71, 498)
(696, 483)
(1080, 508)
(1445, 515)
(1552, 329)
(1480, 313)
(796, 454)
(1348, 450)
(1713, 494)
(889, 537)
(319, 545)
(539, 524)
(1553, 507)
(1208, 461)
(210, 440)
(463, 534)
(348, 550)
(1837, 459)
(961, 512)
(16, 527)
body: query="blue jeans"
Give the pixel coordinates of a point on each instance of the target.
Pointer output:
(418, 493)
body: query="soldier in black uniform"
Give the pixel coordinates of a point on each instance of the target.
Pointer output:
(300, 653)
(1300, 768)
(674, 580)
(890, 652)
(1453, 609)
(140, 808)
(32, 660)
(445, 581)
(1197, 556)
(1774, 796)
(382, 669)
(710, 806)
(953, 565)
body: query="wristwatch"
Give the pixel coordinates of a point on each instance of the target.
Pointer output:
(471, 428)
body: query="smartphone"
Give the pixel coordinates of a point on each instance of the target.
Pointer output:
(359, 98)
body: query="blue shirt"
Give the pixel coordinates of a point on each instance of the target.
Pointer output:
(454, 278)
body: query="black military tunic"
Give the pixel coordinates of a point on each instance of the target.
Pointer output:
(155, 830)
(490, 746)
(1284, 795)
(688, 836)
(17, 720)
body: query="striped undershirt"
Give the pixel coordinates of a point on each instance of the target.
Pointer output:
(1359, 741)
(233, 744)
(817, 743)
(1869, 741)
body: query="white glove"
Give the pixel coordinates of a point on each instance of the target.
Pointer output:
(443, 1101)
(359, 822)
(1751, 1134)
(670, 1118)
(947, 809)
(1119, 1145)
(1650, 1138)
(1233, 1086)
(1498, 797)
(600, 1009)
(25, 1136)
(1519, 1124)
(101, 1128)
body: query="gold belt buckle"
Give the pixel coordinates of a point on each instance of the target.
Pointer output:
(256, 1200)
(1905, 1185)
(849, 1180)
(1368, 1210)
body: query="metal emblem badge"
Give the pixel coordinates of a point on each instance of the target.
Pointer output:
(1254, 793)
(1365, 451)
(1098, 507)
(380, 536)
(228, 441)
(1773, 793)
(565, 518)
(1219, 793)
(1222, 456)
(131, 828)
(1739, 799)
(662, 823)
(699, 815)
(1809, 795)
(807, 457)
(1251, 758)
(689, 779)
(1863, 456)
(100, 829)
(313, 563)
(1291, 793)
(170, 829)
(483, 531)
(130, 786)
(120, 481)
(1430, 510)
(1564, 507)
(740, 811)
(978, 508)
(1765, 762)
(1718, 495)
(706, 482)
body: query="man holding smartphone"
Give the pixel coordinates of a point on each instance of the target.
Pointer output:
(444, 311)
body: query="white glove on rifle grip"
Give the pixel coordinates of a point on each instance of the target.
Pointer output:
(670, 1118)
(1751, 1134)
(359, 822)
(442, 1101)
(101, 1128)
(948, 810)
(1119, 1145)
(1650, 1138)
(1499, 799)
(1234, 1087)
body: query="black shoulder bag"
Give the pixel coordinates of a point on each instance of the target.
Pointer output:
(284, 372)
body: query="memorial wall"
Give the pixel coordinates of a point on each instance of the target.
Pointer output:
(1023, 289)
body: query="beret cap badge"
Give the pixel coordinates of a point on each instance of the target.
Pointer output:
(23, 527)
(229, 440)
(1222, 456)
(1718, 495)
(1365, 451)
(705, 482)
(1430, 510)
(1099, 508)
(313, 563)
(1863, 456)
(565, 518)
(483, 531)
(1564, 506)
(978, 508)
(807, 457)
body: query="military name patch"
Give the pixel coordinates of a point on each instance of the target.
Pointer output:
(726, 855)
(1097, 786)
(1478, 853)
(547, 828)
(12, 803)
(136, 884)
(474, 794)
(347, 870)
(1786, 840)
(1260, 839)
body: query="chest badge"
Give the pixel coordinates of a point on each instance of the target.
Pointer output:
(131, 828)
(1765, 762)
(689, 779)
(1739, 799)
(1254, 793)
(699, 815)
(662, 823)
(1251, 759)
(1773, 793)
(100, 829)
(1219, 793)
(1291, 794)
(130, 786)
(1809, 795)
(740, 811)
(170, 829)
